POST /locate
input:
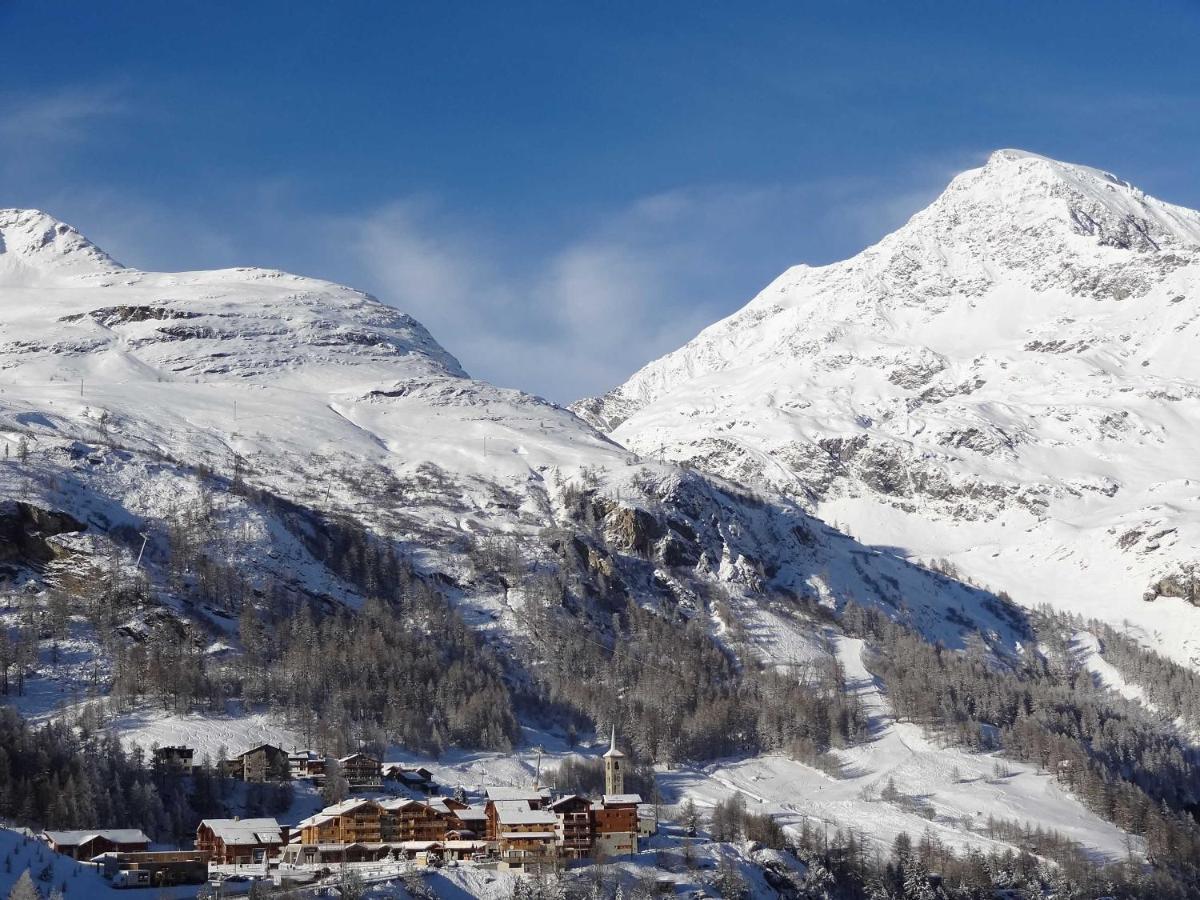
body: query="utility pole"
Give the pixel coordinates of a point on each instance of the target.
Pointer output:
(80, 387)
(138, 564)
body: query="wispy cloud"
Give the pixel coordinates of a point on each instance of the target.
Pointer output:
(58, 118)
(639, 282)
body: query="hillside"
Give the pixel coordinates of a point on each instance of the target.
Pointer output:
(277, 441)
(1007, 382)
(245, 505)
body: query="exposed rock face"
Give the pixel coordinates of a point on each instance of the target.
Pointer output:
(24, 529)
(632, 529)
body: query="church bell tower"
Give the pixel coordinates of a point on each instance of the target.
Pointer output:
(614, 767)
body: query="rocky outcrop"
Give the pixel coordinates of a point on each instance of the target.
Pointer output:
(24, 530)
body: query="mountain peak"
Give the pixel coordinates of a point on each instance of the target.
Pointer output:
(1018, 193)
(34, 245)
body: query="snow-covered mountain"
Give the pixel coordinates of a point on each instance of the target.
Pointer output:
(1009, 382)
(221, 431)
(129, 398)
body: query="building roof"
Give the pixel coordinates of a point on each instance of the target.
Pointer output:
(512, 793)
(270, 747)
(562, 801)
(509, 816)
(471, 814)
(79, 838)
(241, 832)
(401, 803)
(613, 752)
(345, 806)
(622, 799)
(359, 755)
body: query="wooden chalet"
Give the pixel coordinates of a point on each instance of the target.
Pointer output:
(415, 820)
(361, 770)
(505, 797)
(524, 835)
(240, 841)
(88, 844)
(306, 764)
(349, 822)
(265, 762)
(416, 779)
(575, 825)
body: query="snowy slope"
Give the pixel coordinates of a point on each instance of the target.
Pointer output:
(951, 792)
(1008, 381)
(129, 397)
(22, 851)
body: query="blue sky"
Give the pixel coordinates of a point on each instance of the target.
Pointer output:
(563, 191)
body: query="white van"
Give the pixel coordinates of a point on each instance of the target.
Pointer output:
(131, 878)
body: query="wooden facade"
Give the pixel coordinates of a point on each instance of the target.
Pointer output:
(361, 770)
(575, 825)
(240, 841)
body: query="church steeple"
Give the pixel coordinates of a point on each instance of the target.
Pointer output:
(614, 767)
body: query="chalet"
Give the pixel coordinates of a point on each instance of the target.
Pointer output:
(349, 822)
(463, 820)
(175, 759)
(524, 834)
(361, 770)
(88, 844)
(414, 820)
(418, 779)
(574, 828)
(508, 798)
(240, 841)
(265, 762)
(306, 764)
(535, 799)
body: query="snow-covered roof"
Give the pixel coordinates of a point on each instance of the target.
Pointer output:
(78, 838)
(511, 804)
(511, 793)
(509, 816)
(564, 800)
(621, 799)
(346, 805)
(400, 803)
(471, 814)
(241, 832)
(316, 819)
